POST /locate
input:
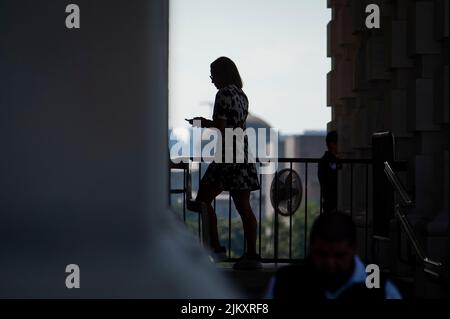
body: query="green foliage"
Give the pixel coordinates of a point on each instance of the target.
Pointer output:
(236, 241)
(289, 246)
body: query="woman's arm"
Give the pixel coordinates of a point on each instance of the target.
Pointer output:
(218, 124)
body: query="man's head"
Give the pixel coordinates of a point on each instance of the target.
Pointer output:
(333, 247)
(332, 142)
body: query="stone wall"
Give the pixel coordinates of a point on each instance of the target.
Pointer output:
(396, 79)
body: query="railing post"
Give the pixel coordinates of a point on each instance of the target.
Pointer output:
(184, 194)
(229, 225)
(306, 211)
(367, 214)
(351, 190)
(275, 247)
(199, 181)
(260, 213)
(290, 211)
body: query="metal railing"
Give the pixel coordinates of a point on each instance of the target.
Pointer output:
(431, 267)
(356, 170)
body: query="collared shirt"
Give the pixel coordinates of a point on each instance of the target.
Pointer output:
(358, 276)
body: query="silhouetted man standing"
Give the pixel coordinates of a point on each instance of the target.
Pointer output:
(327, 173)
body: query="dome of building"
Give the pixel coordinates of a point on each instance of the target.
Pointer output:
(256, 122)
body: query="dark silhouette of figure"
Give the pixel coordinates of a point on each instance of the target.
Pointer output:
(327, 173)
(230, 111)
(332, 270)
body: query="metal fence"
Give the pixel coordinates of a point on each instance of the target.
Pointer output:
(354, 196)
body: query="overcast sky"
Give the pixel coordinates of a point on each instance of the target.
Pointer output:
(279, 47)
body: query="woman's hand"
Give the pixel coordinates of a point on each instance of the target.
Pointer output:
(200, 122)
(205, 123)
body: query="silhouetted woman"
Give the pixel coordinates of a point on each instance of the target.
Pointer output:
(230, 111)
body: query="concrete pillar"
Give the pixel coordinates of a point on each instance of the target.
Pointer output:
(83, 125)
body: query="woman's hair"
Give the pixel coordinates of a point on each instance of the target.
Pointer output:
(225, 69)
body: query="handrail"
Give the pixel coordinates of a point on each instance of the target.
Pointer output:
(430, 266)
(301, 163)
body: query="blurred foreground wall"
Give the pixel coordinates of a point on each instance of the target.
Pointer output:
(83, 165)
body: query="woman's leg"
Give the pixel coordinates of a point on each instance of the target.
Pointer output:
(242, 202)
(206, 194)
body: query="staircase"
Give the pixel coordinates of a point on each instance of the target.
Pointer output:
(401, 255)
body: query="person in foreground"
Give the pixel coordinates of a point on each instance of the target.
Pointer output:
(332, 270)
